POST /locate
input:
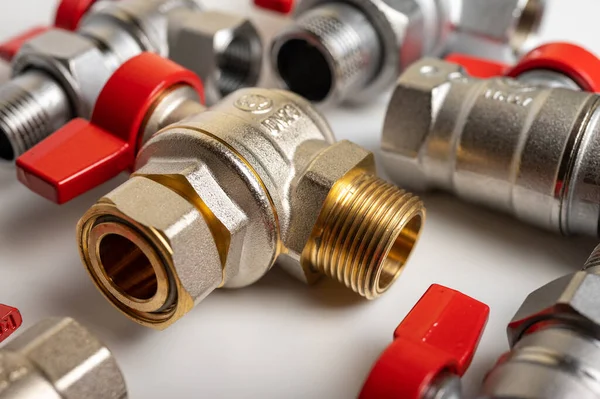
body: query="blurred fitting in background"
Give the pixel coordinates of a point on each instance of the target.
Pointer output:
(59, 359)
(354, 50)
(527, 150)
(58, 75)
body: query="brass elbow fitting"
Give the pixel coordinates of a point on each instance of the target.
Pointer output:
(220, 197)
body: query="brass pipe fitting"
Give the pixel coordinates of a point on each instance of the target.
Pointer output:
(220, 197)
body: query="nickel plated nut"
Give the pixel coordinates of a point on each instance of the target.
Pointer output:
(354, 50)
(555, 342)
(224, 50)
(220, 197)
(526, 150)
(59, 359)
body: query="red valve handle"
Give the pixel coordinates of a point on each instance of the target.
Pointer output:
(82, 154)
(440, 334)
(68, 15)
(10, 321)
(571, 60)
(279, 6)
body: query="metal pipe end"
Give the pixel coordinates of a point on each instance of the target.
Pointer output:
(329, 54)
(528, 24)
(153, 264)
(365, 233)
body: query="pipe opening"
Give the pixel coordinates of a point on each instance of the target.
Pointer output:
(528, 23)
(7, 152)
(238, 63)
(126, 265)
(305, 70)
(399, 253)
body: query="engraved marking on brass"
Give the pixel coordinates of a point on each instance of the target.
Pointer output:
(281, 119)
(507, 97)
(254, 103)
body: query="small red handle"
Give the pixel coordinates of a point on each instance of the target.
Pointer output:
(279, 6)
(10, 321)
(440, 334)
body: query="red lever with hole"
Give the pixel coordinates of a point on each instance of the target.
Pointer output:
(69, 14)
(577, 63)
(440, 334)
(82, 154)
(10, 321)
(279, 6)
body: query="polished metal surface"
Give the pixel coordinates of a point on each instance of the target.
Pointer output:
(555, 342)
(357, 48)
(444, 386)
(59, 359)
(71, 68)
(220, 197)
(524, 150)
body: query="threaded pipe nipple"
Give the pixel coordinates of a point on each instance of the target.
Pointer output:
(365, 234)
(32, 106)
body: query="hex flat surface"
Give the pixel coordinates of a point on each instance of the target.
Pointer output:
(278, 338)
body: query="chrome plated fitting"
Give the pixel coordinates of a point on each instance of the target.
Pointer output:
(59, 359)
(555, 342)
(221, 196)
(353, 50)
(528, 151)
(59, 75)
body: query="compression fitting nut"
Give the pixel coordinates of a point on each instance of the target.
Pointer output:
(58, 358)
(526, 150)
(353, 50)
(221, 196)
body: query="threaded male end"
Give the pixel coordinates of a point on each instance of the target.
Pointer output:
(365, 233)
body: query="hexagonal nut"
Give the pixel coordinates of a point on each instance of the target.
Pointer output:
(511, 22)
(73, 60)
(328, 167)
(57, 347)
(411, 112)
(570, 298)
(224, 50)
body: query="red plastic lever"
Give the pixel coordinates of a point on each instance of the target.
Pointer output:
(571, 60)
(440, 334)
(68, 16)
(279, 6)
(82, 154)
(10, 321)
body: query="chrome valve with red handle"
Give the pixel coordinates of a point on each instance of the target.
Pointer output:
(149, 91)
(432, 348)
(557, 64)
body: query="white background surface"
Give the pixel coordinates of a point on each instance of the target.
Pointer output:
(279, 338)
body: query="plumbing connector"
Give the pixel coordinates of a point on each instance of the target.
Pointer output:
(529, 151)
(59, 75)
(554, 341)
(219, 197)
(58, 358)
(432, 348)
(69, 14)
(353, 50)
(10, 321)
(150, 92)
(555, 64)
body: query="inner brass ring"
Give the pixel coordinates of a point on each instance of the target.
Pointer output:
(127, 267)
(398, 253)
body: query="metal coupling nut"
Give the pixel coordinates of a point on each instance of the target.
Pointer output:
(221, 196)
(354, 50)
(59, 359)
(555, 346)
(554, 64)
(433, 347)
(59, 74)
(526, 150)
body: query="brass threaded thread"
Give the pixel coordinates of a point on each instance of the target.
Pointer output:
(365, 233)
(594, 259)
